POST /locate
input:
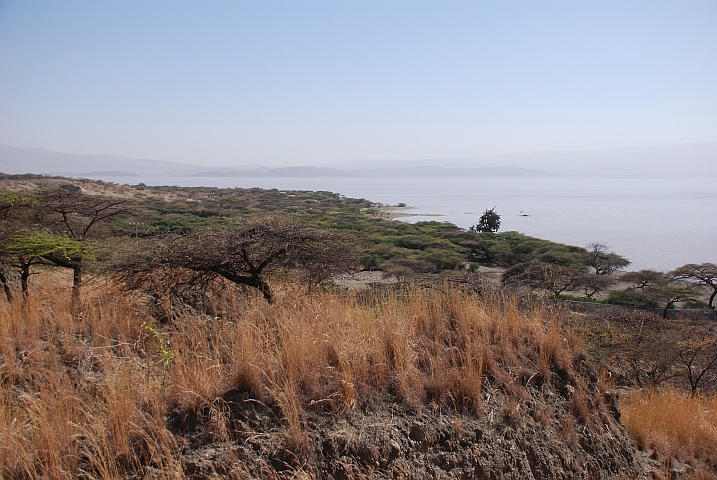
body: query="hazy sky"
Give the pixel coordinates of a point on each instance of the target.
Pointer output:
(320, 82)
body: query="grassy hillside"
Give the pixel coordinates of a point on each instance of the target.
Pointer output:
(109, 393)
(408, 382)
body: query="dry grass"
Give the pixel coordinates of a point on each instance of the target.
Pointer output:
(89, 395)
(674, 424)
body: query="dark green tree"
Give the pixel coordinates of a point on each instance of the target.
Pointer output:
(488, 222)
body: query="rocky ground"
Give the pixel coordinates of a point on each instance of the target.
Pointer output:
(562, 426)
(547, 433)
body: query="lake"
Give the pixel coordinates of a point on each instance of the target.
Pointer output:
(658, 223)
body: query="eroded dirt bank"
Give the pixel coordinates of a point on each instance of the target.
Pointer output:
(548, 433)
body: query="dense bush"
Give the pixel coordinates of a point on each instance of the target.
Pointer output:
(634, 297)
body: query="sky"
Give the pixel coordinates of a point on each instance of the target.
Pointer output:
(318, 82)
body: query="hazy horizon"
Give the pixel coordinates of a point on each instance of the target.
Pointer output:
(337, 162)
(696, 159)
(322, 83)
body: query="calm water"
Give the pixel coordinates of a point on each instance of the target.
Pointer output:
(659, 223)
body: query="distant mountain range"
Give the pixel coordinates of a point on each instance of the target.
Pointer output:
(669, 160)
(406, 172)
(39, 160)
(687, 159)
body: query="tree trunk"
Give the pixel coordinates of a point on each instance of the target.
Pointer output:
(24, 277)
(6, 286)
(712, 299)
(667, 307)
(76, 280)
(266, 291)
(76, 285)
(254, 281)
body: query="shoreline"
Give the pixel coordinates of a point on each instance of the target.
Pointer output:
(390, 212)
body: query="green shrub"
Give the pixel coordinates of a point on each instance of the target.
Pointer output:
(634, 297)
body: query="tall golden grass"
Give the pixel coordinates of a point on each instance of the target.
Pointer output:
(674, 424)
(88, 394)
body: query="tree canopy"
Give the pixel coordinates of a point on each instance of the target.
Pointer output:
(699, 274)
(245, 254)
(542, 276)
(603, 261)
(652, 289)
(488, 222)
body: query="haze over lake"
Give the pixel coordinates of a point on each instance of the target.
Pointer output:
(655, 222)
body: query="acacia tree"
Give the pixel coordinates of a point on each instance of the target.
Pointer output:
(245, 255)
(541, 276)
(696, 349)
(70, 213)
(652, 289)
(602, 260)
(15, 214)
(405, 268)
(592, 285)
(699, 274)
(4, 277)
(645, 278)
(27, 248)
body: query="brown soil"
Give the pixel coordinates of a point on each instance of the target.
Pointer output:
(542, 435)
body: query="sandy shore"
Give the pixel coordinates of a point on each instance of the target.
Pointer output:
(391, 212)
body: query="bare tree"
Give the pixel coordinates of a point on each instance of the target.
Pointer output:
(547, 277)
(592, 285)
(404, 269)
(644, 350)
(660, 351)
(246, 255)
(697, 351)
(699, 274)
